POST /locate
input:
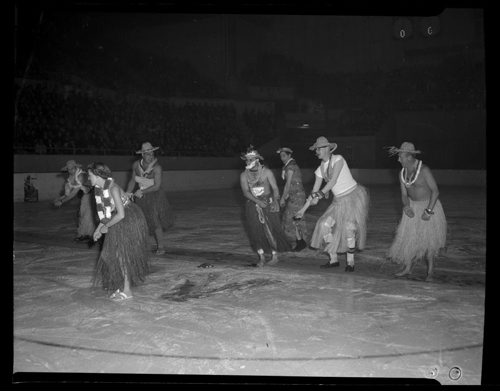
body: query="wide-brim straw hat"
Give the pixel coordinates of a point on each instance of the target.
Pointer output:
(71, 164)
(146, 147)
(405, 147)
(284, 149)
(323, 142)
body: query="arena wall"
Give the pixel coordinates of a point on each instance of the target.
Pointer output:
(50, 184)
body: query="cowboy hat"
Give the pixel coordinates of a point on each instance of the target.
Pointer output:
(70, 164)
(147, 147)
(405, 147)
(323, 142)
(284, 149)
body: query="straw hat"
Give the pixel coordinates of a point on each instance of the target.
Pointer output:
(284, 149)
(323, 142)
(405, 147)
(147, 147)
(71, 164)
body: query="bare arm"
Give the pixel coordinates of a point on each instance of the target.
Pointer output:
(272, 182)
(310, 200)
(132, 182)
(406, 200)
(275, 207)
(404, 195)
(286, 189)
(429, 179)
(69, 193)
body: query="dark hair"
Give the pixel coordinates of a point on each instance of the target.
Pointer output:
(99, 169)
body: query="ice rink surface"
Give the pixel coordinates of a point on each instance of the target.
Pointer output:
(290, 319)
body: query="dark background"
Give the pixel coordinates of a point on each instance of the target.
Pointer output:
(344, 71)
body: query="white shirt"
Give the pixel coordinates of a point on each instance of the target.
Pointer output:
(345, 181)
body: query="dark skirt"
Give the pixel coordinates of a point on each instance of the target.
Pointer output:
(294, 203)
(264, 229)
(125, 247)
(157, 209)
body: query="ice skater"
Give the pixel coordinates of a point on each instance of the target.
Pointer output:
(75, 183)
(147, 173)
(292, 199)
(342, 228)
(124, 258)
(422, 230)
(262, 208)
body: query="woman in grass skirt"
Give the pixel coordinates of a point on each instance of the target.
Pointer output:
(74, 184)
(151, 198)
(124, 259)
(262, 208)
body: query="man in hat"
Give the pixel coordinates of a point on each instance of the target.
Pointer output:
(75, 183)
(147, 174)
(262, 208)
(292, 199)
(422, 230)
(342, 228)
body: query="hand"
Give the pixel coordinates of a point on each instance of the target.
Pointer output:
(104, 229)
(425, 216)
(408, 211)
(282, 202)
(275, 207)
(78, 172)
(314, 201)
(262, 204)
(138, 193)
(318, 195)
(97, 234)
(298, 215)
(58, 203)
(129, 196)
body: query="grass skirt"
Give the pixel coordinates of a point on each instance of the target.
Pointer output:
(294, 203)
(125, 246)
(157, 210)
(417, 238)
(267, 235)
(87, 215)
(349, 211)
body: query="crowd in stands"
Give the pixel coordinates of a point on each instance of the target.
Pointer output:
(91, 122)
(455, 83)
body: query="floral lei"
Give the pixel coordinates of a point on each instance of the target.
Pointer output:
(104, 201)
(411, 181)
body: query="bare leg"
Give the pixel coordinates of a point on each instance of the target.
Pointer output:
(274, 260)
(262, 259)
(405, 271)
(158, 236)
(126, 285)
(430, 268)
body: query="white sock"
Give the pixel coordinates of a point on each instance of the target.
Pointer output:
(333, 258)
(351, 243)
(350, 257)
